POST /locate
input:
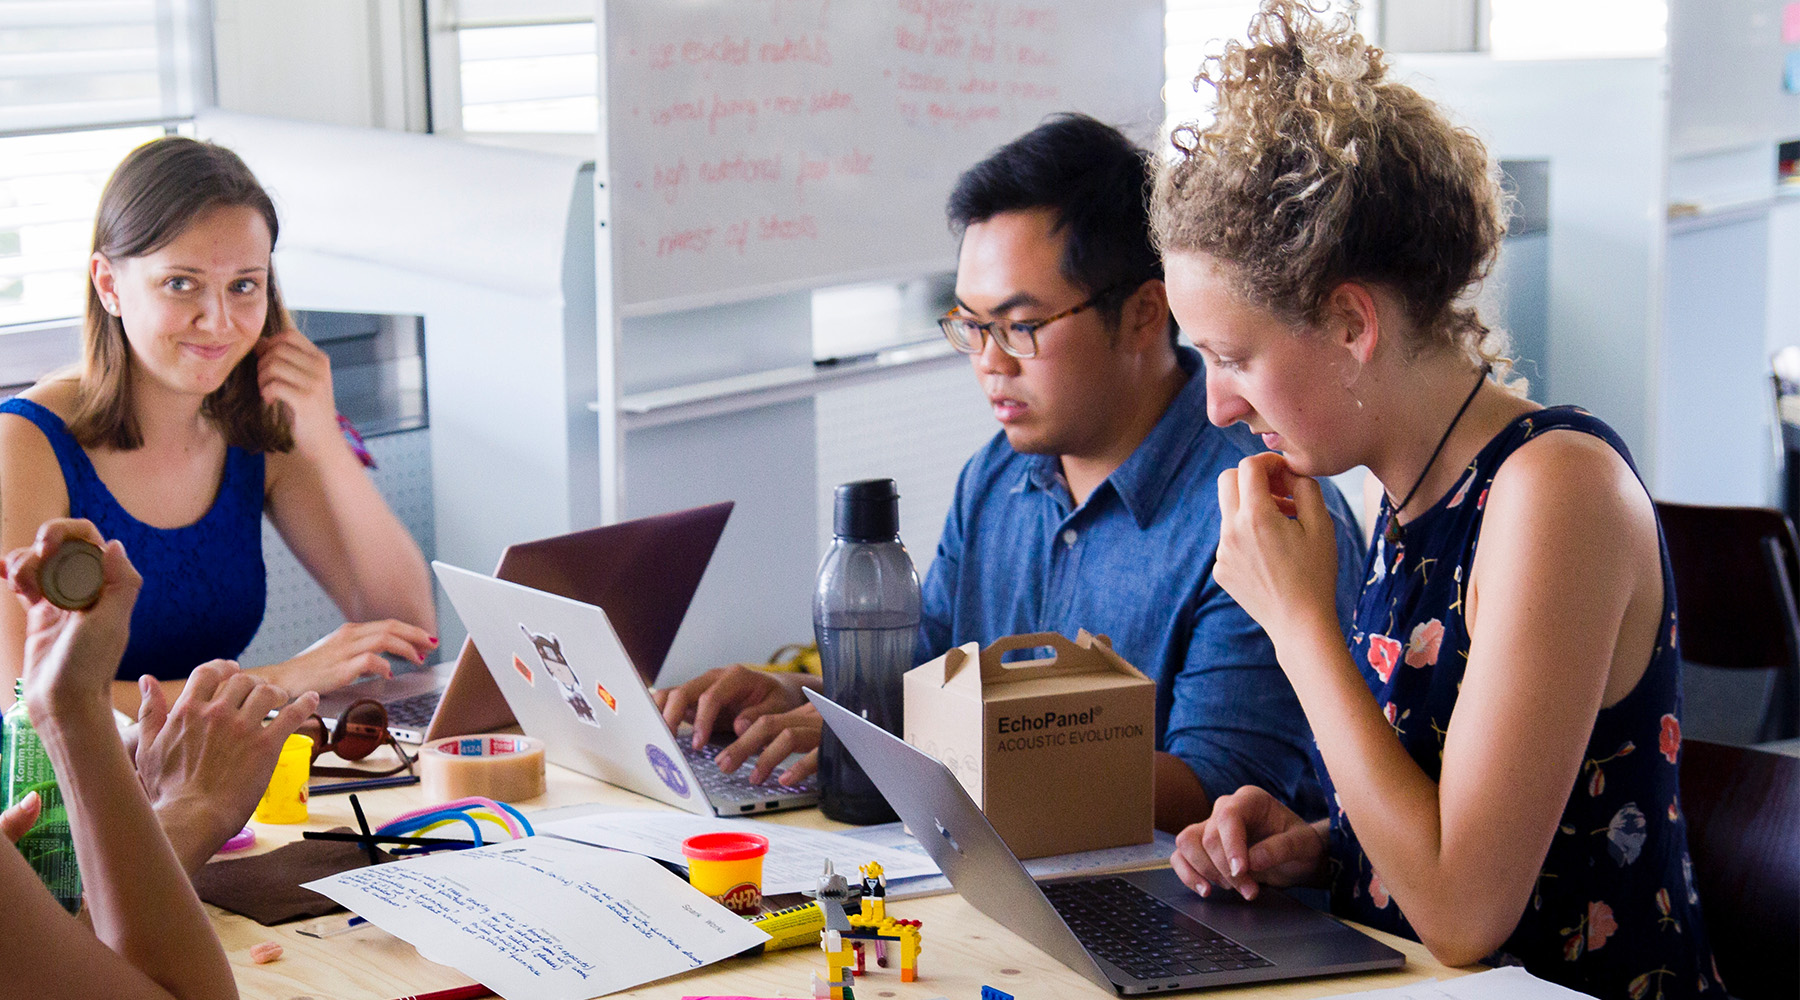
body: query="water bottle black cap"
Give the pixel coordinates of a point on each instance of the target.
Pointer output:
(867, 511)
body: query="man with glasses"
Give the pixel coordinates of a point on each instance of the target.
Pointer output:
(1096, 505)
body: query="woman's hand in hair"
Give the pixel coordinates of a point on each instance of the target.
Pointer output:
(1250, 840)
(291, 370)
(1277, 555)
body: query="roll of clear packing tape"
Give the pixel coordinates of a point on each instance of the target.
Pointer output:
(490, 765)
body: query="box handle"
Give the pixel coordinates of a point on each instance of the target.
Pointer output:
(1068, 654)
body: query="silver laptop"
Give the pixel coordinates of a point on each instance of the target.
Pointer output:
(569, 681)
(643, 572)
(1134, 932)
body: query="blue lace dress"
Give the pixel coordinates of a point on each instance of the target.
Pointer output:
(1615, 913)
(204, 584)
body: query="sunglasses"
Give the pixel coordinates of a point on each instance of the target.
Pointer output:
(360, 731)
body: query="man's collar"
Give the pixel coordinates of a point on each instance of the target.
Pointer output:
(1145, 476)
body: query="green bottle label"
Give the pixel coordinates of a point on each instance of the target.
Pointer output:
(49, 845)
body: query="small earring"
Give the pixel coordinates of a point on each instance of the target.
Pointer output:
(111, 305)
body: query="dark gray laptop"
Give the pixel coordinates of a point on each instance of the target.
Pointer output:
(642, 572)
(1135, 932)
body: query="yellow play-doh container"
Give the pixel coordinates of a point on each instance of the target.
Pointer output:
(284, 801)
(728, 867)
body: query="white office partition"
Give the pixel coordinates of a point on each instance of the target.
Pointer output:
(1601, 126)
(493, 248)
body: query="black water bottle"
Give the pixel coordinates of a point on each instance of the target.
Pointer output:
(866, 620)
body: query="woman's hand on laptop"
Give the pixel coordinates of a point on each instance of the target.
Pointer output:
(205, 761)
(352, 652)
(1250, 840)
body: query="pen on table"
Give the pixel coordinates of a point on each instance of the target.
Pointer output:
(368, 836)
(365, 785)
(357, 838)
(453, 993)
(325, 927)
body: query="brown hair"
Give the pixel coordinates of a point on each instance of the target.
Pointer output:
(155, 194)
(1317, 170)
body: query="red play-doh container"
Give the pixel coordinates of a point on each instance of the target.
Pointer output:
(728, 867)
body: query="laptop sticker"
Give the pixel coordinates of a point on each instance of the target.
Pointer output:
(524, 670)
(665, 768)
(549, 650)
(606, 698)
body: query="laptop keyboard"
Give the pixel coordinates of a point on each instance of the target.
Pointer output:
(736, 786)
(414, 711)
(1142, 935)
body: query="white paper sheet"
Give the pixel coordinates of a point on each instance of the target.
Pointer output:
(795, 858)
(1510, 983)
(544, 918)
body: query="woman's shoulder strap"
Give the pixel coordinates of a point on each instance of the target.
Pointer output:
(69, 454)
(39, 414)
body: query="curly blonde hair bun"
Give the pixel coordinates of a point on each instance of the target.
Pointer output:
(1318, 170)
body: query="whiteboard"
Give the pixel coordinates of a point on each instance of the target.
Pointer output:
(759, 146)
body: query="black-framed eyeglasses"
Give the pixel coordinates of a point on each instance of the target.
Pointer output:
(1016, 337)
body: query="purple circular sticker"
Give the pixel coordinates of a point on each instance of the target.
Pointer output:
(666, 769)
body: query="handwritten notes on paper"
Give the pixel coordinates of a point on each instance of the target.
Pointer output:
(796, 855)
(545, 918)
(765, 142)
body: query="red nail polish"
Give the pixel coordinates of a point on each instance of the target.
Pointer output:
(433, 639)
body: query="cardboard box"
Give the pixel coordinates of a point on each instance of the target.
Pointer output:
(1059, 753)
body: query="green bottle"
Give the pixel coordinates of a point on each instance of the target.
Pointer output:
(49, 846)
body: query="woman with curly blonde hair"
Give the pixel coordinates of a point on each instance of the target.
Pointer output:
(1500, 741)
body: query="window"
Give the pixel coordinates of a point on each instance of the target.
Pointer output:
(1195, 29)
(81, 83)
(49, 185)
(1557, 29)
(1192, 30)
(522, 66)
(530, 78)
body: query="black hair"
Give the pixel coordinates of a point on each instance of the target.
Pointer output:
(1096, 180)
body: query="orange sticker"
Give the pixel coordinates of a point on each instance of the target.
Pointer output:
(524, 671)
(606, 696)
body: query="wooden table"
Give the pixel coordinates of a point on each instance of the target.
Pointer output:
(963, 949)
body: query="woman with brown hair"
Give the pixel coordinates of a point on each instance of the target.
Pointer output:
(197, 406)
(1500, 741)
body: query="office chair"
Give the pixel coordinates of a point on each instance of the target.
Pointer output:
(1743, 814)
(1735, 569)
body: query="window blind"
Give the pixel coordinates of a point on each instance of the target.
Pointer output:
(514, 13)
(84, 64)
(81, 83)
(530, 78)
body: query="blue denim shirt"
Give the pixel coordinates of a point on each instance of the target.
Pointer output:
(1134, 563)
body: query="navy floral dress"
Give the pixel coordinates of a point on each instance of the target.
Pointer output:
(1615, 913)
